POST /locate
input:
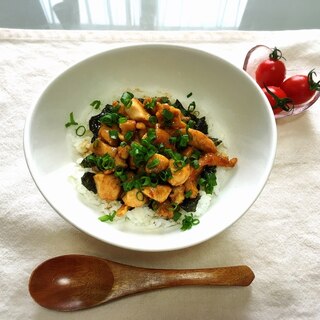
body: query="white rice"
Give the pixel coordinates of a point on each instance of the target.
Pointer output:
(143, 217)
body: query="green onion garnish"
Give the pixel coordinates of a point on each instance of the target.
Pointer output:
(126, 99)
(114, 134)
(152, 164)
(188, 194)
(188, 222)
(151, 105)
(108, 217)
(105, 162)
(167, 116)
(71, 122)
(128, 136)
(95, 104)
(153, 119)
(192, 106)
(122, 119)
(80, 131)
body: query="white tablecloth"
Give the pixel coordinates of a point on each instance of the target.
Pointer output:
(278, 237)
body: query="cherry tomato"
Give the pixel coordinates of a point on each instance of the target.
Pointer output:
(271, 72)
(300, 88)
(278, 99)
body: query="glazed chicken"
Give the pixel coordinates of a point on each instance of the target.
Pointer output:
(150, 151)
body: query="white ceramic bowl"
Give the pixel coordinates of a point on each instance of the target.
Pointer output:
(224, 93)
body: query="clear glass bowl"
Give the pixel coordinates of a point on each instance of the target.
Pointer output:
(260, 53)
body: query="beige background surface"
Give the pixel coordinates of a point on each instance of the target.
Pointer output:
(278, 237)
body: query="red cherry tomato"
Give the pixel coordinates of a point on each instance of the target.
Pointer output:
(272, 71)
(278, 99)
(300, 88)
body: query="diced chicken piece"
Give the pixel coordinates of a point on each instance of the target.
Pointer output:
(123, 152)
(121, 107)
(192, 183)
(177, 194)
(134, 198)
(132, 165)
(159, 193)
(157, 163)
(188, 151)
(122, 210)
(165, 210)
(179, 176)
(176, 121)
(129, 125)
(141, 126)
(142, 129)
(119, 162)
(191, 186)
(108, 186)
(200, 141)
(100, 148)
(162, 137)
(137, 112)
(142, 133)
(104, 134)
(210, 159)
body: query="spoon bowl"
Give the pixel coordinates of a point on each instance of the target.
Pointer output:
(75, 282)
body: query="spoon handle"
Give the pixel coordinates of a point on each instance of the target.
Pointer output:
(143, 279)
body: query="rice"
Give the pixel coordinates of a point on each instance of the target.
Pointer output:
(142, 217)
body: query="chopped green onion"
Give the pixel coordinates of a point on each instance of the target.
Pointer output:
(105, 162)
(208, 179)
(192, 106)
(153, 119)
(151, 105)
(195, 164)
(167, 116)
(191, 124)
(152, 164)
(80, 131)
(151, 135)
(188, 222)
(189, 95)
(95, 104)
(145, 181)
(114, 134)
(174, 206)
(183, 142)
(71, 122)
(173, 140)
(126, 99)
(123, 144)
(108, 217)
(139, 196)
(122, 119)
(110, 119)
(120, 173)
(128, 136)
(176, 216)
(164, 100)
(188, 194)
(89, 161)
(165, 175)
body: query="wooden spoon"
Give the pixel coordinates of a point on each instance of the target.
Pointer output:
(74, 282)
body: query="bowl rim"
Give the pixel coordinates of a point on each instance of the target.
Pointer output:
(130, 246)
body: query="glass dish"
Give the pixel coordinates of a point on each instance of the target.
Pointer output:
(260, 53)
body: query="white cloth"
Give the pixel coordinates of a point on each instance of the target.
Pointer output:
(278, 237)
